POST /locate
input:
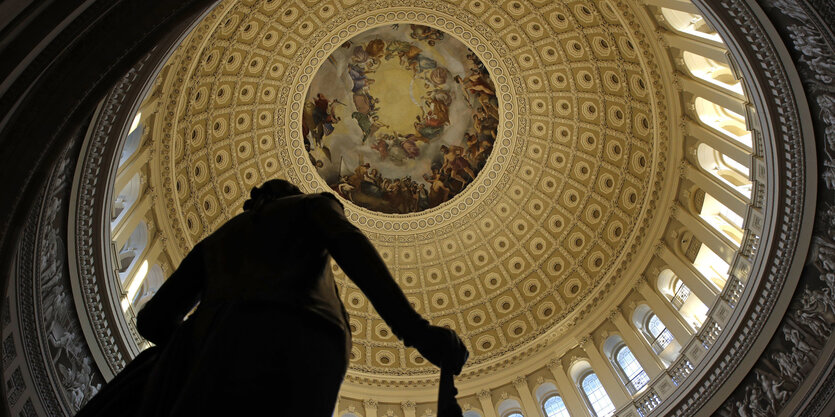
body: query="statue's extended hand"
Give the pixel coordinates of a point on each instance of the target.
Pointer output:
(442, 347)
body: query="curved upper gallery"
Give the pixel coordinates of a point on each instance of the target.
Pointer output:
(543, 177)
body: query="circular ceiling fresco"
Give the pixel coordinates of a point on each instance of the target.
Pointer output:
(400, 118)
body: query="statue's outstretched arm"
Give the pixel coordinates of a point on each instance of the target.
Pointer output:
(359, 259)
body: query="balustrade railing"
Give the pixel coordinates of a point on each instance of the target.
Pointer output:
(647, 402)
(750, 244)
(709, 333)
(680, 369)
(732, 291)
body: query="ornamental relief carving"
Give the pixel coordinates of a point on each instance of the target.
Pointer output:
(63, 369)
(527, 126)
(77, 382)
(88, 270)
(806, 329)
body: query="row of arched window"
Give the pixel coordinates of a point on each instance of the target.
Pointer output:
(719, 147)
(139, 274)
(722, 149)
(656, 336)
(722, 144)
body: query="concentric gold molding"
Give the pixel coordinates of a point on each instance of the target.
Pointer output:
(505, 219)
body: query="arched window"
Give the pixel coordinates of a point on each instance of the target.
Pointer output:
(691, 308)
(133, 140)
(723, 120)
(134, 284)
(714, 72)
(722, 219)
(625, 364)
(672, 288)
(599, 401)
(126, 258)
(471, 413)
(680, 294)
(149, 286)
(549, 400)
(630, 368)
(658, 334)
(124, 200)
(130, 251)
(555, 407)
(712, 266)
(690, 23)
(725, 169)
(510, 408)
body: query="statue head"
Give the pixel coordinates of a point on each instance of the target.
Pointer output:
(270, 191)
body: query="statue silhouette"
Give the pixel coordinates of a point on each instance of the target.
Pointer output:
(270, 335)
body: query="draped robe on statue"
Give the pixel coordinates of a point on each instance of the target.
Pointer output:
(270, 334)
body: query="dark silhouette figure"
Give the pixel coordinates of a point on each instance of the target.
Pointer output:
(270, 335)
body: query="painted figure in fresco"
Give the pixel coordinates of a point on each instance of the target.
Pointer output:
(398, 195)
(359, 55)
(438, 190)
(325, 113)
(425, 33)
(360, 173)
(423, 198)
(364, 182)
(319, 118)
(389, 195)
(396, 152)
(437, 112)
(788, 367)
(485, 125)
(438, 76)
(382, 147)
(358, 76)
(435, 115)
(793, 336)
(776, 395)
(365, 104)
(316, 162)
(455, 164)
(475, 64)
(478, 147)
(375, 49)
(476, 83)
(421, 63)
(427, 132)
(307, 120)
(410, 146)
(344, 189)
(372, 176)
(811, 317)
(489, 104)
(271, 261)
(403, 50)
(368, 124)
(431, 123)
